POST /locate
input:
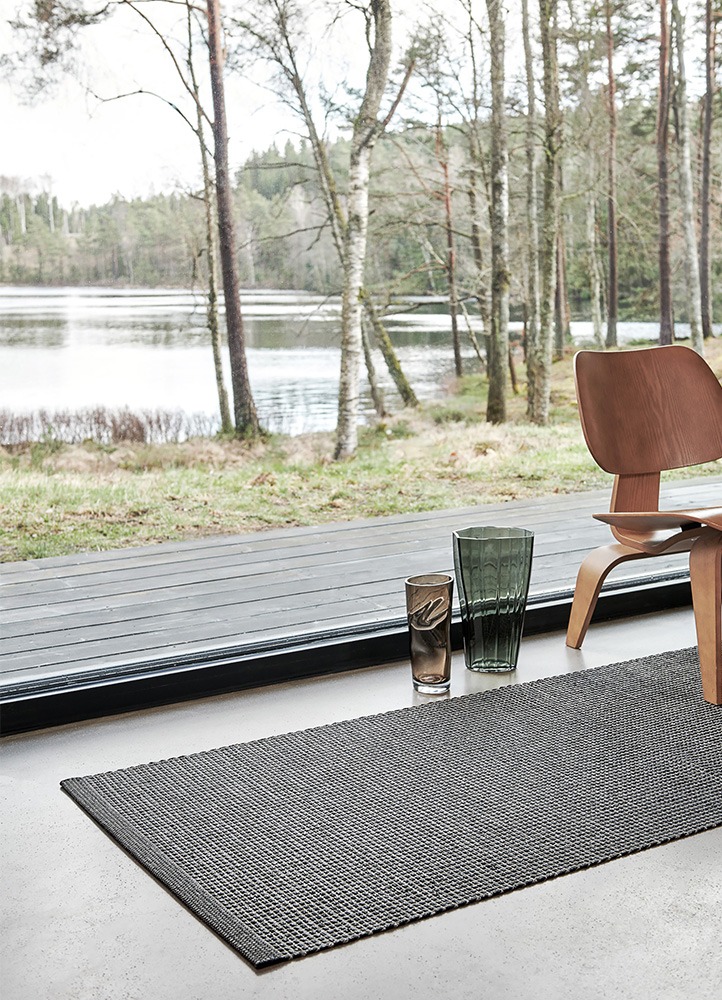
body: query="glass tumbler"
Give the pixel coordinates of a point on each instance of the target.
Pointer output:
(428, 608)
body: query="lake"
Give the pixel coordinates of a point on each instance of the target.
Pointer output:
(72, 348)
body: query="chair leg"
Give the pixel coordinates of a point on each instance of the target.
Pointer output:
(705, 570)
(592, 574)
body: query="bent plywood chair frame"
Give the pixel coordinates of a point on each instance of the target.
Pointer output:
(644, 412)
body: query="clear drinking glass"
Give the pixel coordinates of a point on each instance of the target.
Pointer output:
(428, 608)
(493, 566)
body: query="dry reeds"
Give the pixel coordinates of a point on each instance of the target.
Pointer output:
(104, 426)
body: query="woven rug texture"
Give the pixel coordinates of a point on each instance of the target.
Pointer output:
(295, 843)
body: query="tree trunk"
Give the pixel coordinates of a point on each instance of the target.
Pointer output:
(353, 266)
(470, 333)
(666, 328)
(686, 189)
(499, 333)
(244, 408)
(403, 387)
(212, 312)
(482, 295)
(248, 238)
(550, 217)
(562, 312)
(613, 282)
(377, 395)
(476, 168)
(705, 274)
(20, 204)
(51, 213)
(365, 132)
(532, 223)
(208, 204)
(442, 157)
(595, 282)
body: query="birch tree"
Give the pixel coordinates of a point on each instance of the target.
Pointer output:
(499, 333)
(271, 27)
(366, 130)
(584, 28)
(211, 229)
(244, 408)
(458, 74)
(595, 278)
(442, 155)
(432, 63)
(477, 164)
(51, 30)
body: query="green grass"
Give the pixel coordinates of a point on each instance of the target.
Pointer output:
(58, 499)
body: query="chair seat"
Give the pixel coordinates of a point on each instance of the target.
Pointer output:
(661, 532)
(664, 520)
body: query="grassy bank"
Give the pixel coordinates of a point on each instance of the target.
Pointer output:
(58, 499)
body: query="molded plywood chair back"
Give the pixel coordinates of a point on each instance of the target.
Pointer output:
(649, 410)
(643, 412)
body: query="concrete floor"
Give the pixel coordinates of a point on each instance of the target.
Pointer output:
(81, 920)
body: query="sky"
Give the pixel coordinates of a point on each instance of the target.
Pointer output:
(86, 150)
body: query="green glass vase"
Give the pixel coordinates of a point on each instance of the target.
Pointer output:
(493, 566)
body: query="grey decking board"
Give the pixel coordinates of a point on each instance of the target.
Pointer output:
(246, 626)
(285, 624)
(299, 580)
(225, 568)
(308, 592)
(246, 629)
(244, 612)
(303, 579)
(547, 528)
(164, 655)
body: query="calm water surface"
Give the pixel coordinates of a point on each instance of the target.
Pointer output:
(72, 348)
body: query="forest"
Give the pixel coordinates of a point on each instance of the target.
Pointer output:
(536, 161)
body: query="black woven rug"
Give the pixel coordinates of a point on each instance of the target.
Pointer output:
(300, 842)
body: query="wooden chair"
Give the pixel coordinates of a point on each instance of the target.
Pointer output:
(643, 412)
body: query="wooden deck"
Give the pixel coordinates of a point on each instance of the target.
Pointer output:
(70, 621)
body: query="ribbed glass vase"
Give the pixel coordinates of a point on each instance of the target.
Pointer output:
(493, 566)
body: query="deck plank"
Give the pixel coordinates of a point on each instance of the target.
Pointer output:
(68, 615)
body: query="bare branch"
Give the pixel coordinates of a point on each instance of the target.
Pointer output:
(397, 100)
(149, 93)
